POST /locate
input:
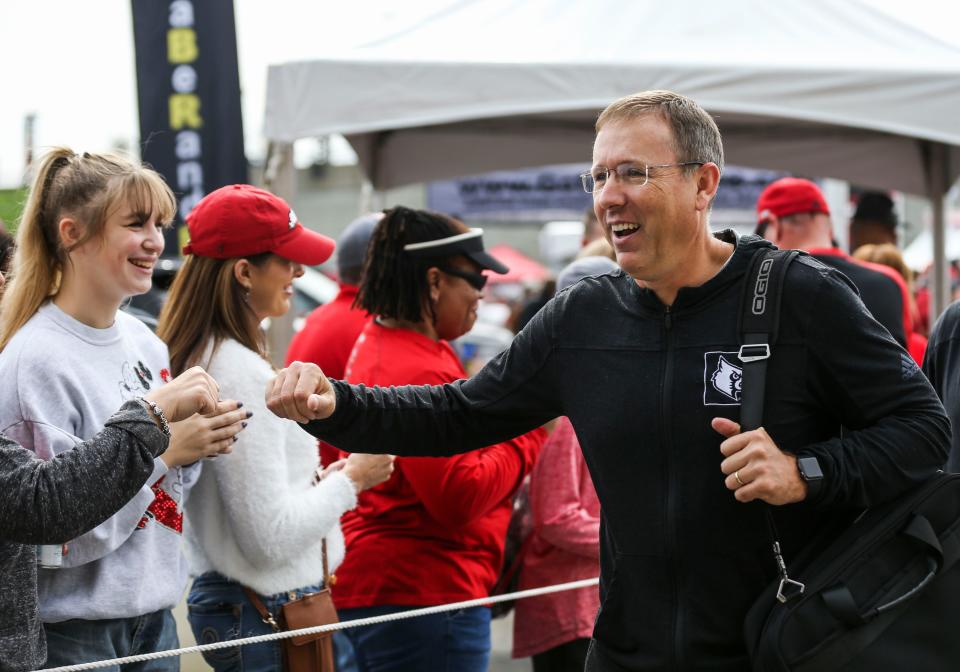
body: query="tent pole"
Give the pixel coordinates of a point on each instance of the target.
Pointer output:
(280, 177)
(371, 198)
(366, 196)
(936, 156)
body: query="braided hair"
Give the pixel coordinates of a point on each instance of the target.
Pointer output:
(395, 284)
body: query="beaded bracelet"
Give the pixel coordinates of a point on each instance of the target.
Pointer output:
(157, 411)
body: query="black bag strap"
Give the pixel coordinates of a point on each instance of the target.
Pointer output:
(759, 323)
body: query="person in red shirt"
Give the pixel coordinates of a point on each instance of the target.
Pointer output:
(331, 330)
(434, 532)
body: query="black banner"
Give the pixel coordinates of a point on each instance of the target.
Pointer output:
(188, 83)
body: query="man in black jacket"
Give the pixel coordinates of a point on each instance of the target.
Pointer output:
(644, 363)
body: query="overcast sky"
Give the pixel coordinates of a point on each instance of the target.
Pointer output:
(71, 62)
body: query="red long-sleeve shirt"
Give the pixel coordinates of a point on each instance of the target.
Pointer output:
(434, 532)
(329, 333)
(327, 339)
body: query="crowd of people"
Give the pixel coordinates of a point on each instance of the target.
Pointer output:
(133, 464)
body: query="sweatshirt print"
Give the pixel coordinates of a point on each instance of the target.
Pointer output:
(63, 380)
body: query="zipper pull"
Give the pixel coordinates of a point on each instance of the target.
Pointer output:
(667, 321)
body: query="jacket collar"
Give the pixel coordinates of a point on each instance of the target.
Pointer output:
(738, 264)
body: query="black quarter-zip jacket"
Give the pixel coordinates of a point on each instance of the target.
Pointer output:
(681, 559)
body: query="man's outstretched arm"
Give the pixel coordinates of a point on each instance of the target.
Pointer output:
(516, 392)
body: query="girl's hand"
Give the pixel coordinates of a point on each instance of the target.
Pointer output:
(193, 391)
(333, 467)
(202, 436)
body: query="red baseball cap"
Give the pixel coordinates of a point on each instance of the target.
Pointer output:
(790, 196)
(241, 220)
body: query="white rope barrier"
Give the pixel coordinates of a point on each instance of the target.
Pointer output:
(373, 620)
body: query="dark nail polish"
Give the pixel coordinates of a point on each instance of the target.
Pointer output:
(249, 414)
(243, 424)
(239, 404)
(235, 439)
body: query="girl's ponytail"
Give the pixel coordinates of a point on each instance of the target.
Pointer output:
(38, 260)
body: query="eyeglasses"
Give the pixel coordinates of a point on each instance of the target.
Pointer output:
(476, 280)
(634, 174)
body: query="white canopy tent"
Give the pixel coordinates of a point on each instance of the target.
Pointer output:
(834, 89)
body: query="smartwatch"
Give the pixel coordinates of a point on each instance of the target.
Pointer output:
(811, 473)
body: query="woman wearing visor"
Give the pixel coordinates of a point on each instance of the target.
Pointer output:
(433, 533)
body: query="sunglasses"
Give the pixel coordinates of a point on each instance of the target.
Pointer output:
(476, 280)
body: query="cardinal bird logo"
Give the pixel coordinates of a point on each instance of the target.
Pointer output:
(727, 379)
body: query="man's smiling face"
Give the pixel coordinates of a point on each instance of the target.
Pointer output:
(651, 226)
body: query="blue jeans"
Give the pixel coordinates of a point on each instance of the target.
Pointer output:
(219, 610)
(80, 641)
(453, 641)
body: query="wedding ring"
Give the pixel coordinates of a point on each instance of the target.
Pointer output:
(736, 475)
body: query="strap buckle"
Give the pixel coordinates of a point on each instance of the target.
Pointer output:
(789, 589)
(271, 621)
(754, 352)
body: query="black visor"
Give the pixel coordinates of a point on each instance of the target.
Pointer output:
(468, 244)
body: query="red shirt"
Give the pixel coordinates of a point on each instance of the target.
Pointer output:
(327, 339)
(434, 532)
(917, 346)
(329, 334)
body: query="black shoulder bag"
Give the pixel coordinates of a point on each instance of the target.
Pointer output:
(882, 595)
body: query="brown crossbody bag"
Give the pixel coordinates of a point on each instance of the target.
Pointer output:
(306, 653)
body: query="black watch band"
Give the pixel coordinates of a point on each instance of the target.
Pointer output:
(811, 473)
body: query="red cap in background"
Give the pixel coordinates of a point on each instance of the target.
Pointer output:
(241, 220)
(790, 196)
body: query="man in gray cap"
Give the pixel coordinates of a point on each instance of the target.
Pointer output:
(331, 330)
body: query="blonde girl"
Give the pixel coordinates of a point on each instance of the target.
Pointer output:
(89, 237)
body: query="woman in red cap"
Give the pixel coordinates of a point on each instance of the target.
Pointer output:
(266, 520)
(434, 532)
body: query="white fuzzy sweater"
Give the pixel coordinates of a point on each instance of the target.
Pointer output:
(254, 515)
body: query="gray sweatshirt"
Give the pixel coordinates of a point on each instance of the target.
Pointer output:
(62, 380)
(52, 502)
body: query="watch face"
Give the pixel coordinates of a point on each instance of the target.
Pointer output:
(809, 469)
